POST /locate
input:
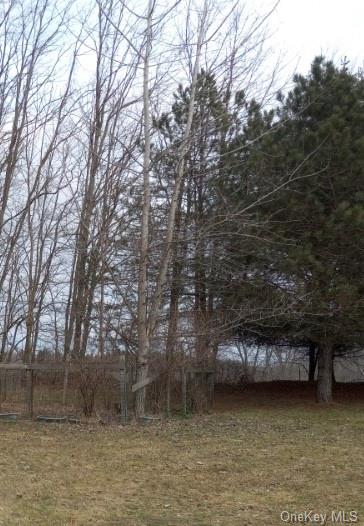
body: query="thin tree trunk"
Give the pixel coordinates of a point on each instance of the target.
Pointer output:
(143, 336)
(176, 288)
(147, 323)
(172, 329)
(312, 357)
(325, 370)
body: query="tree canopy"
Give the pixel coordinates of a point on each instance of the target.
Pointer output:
(299, 173)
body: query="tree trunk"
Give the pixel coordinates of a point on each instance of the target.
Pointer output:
(143, 333)
(312, 356)
(333, 371)
(147, 323)
(142, 374)
(325, 369)
(172, 328)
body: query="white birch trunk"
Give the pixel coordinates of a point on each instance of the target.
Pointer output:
(143, 336)
(147, 323)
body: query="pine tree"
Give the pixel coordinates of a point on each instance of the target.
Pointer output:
(193, 270)
(305, 169)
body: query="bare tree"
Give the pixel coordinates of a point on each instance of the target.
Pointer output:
(32, 126)
(147, 327)
(105, 161)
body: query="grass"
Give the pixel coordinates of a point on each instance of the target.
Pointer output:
(230, 468)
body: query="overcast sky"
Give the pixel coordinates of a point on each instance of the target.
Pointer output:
(305, 28)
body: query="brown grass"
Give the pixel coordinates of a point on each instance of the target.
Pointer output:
(241, 468)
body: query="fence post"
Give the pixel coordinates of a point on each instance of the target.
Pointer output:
(123, 391)
(30, 392)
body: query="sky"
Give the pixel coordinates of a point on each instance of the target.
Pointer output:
(299, 29)
(306, 28)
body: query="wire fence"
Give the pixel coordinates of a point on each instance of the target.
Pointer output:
(103, 390)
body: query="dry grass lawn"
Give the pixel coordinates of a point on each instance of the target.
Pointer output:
(230, 468)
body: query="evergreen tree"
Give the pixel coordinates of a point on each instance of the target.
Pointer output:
(193, 270)
(305, 167)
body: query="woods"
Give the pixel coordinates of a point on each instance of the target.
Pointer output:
(159, 195)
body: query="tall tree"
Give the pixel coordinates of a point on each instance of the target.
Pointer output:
(306, 164)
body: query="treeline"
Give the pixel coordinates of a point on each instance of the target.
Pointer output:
(143, 214)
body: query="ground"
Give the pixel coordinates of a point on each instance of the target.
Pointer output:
(263, 450)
